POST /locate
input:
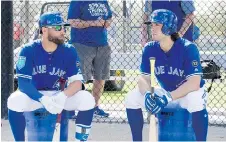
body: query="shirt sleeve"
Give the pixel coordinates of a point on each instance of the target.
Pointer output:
(192, 61)
(187, 6)
(147, 7)
(26, 86)
(145, 63)
(74, 10)
(109, 11)
(24, 64)
(24, 68)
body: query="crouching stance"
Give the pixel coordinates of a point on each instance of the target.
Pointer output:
(178, 71)
(46, 66)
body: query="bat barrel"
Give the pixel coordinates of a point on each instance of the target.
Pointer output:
(40, 125)
(175, 124)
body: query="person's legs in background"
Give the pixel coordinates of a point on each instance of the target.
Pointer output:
(97, 91)
(101, 68)
(97, 62)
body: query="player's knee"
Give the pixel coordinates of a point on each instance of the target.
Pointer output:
(87, 100)
(131, 101)
(193, 105)
(18, 101)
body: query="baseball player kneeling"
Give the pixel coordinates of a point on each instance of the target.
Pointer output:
(178, 71)
(41, 67)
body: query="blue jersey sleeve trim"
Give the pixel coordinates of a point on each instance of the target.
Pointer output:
(24, 76)
(77, 77)
(144, 73)
(29, 89)
(194, 74)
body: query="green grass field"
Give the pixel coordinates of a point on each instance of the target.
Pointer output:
(217, 95)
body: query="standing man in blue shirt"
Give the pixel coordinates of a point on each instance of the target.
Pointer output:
(89, 22)
(184, 9)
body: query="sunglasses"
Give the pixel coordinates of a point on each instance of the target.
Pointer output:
(57, 28)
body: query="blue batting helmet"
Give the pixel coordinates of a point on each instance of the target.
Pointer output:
(165, 17)
(51, 19)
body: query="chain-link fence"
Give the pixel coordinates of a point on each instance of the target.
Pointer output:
(124, 36)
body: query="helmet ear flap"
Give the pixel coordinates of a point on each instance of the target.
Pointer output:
(169, 31)
(166, 30)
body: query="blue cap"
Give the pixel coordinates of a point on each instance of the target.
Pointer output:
(51, 19)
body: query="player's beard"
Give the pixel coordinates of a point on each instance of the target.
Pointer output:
(55, 40)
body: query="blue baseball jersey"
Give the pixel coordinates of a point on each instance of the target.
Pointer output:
(89, 10)
(181, 8)
(175, 66)
(44, 69)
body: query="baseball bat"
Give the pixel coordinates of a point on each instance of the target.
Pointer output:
(56, 136)
(153, 135)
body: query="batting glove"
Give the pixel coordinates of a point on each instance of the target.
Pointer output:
(59, 99)
(54, 104)
(48, 104)
(159, 100)
(163, 96)
(150, 103)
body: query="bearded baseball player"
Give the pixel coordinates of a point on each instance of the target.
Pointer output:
(41, 67)
(178, 71)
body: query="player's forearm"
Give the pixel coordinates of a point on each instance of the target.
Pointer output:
(107, 23)
(144, 84)
(73, 88)
(80, 24)
(186, 24)
(192, 84)
(29, 89)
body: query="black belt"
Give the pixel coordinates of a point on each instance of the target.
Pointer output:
(46, 89)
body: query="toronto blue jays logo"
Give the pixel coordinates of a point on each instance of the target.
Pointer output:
(60, 84)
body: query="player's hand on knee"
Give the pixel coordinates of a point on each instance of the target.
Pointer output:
(59, 100)
(48, 105)
(55, 103)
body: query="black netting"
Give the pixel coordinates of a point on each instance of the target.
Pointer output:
(6, 54)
